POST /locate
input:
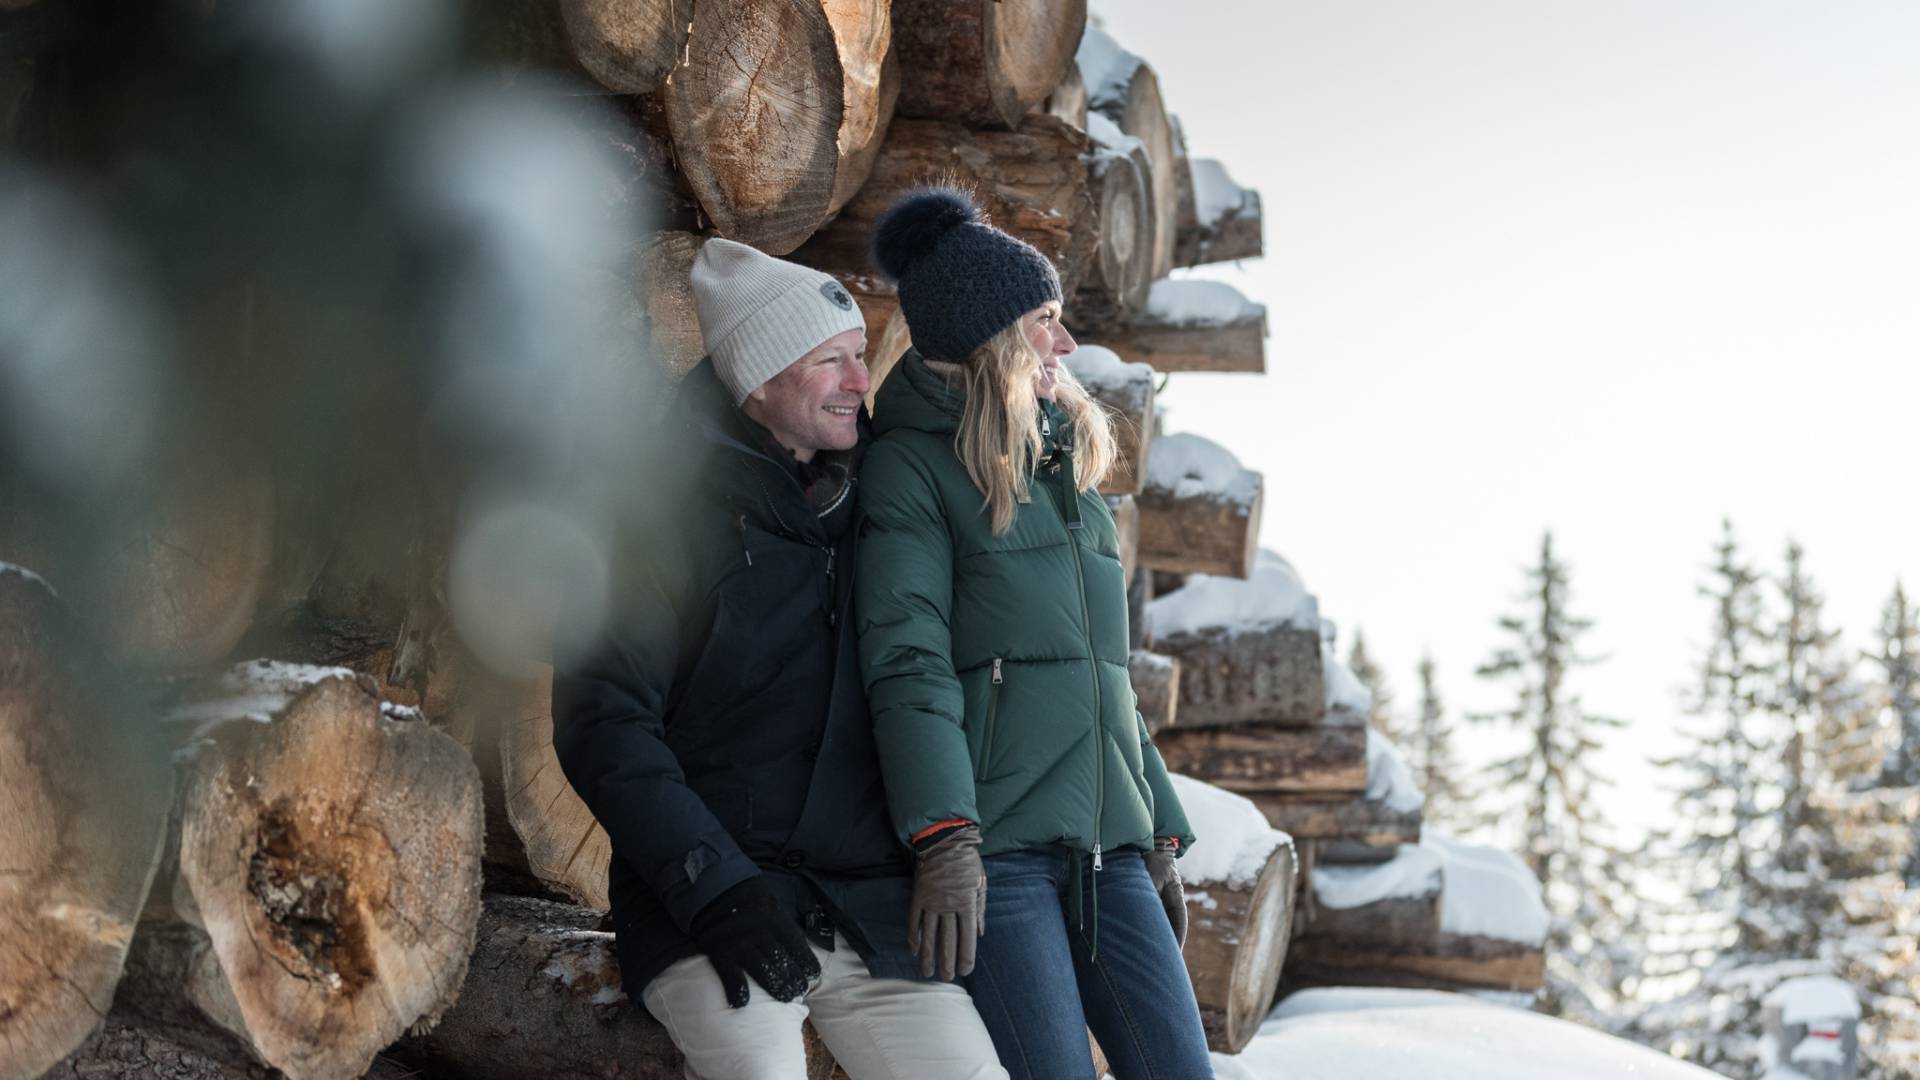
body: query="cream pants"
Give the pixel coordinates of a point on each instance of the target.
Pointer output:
(878, 1029)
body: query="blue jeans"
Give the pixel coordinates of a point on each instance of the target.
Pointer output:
(1039, 985)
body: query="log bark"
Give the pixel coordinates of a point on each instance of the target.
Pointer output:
(1411, 922)
(756, 115)
(1185, 210)
(1139, 595)
(1129, 95)
(1126, 391)
(1194, 326)
(1199, 533)
(1269, 674)
(984, 63)
(86, 790)
(1268, 757)
(324, 890)
(1227, 220)
(1363, 821)
(1156, 685)
(1447, 962)
(1117, 278)
(1032, 182)
(1237, 944)
(629, 46)
(543, 998)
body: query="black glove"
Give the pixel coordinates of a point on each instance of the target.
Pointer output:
(744, 931)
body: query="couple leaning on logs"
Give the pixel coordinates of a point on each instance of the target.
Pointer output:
(863, 736)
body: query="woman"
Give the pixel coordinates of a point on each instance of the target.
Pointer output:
(993, 640)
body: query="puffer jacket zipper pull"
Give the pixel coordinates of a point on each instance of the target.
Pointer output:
(996, 671)
(740, 522)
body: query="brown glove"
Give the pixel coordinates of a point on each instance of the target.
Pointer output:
(949, 909)
(1166, 881)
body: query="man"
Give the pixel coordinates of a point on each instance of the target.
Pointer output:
(720, 732)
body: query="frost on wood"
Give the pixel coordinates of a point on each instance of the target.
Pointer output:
(1273, 596)
(1232, 839)
(1190, 466)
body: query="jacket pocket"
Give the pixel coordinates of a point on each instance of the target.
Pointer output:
(993, 714)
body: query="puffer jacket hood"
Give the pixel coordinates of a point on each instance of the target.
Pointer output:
(996, 666)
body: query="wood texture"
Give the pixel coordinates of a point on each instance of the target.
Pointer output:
(1126, 523)
(663, 268)
(1069, 99)
(1198, 534)
(1409, 922)
(629, 46)
(1449, 962)
(1268, 757)
(1031, 181)
(756, 114)
(1120, 273)
(1235, 228)
(870, 85)
(86, 792)
(1274, 674)
(1238, 346)
(984, 63)
(327, 879)
(1129, 402)
(1156, 683)
(1134, 104)
(564, 846)
(543, 998)
(1365, 821)
(1237, 947)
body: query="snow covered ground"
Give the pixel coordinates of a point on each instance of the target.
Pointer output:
(1365, 1034)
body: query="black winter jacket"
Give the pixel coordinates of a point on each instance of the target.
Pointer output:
(720, 729)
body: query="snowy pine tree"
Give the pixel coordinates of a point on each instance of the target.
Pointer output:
(1371, 676)
(1549, 785)
(1709, 962)
(1899, 661)
(1429, 753)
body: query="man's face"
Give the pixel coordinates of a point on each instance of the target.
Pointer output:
(814, 404)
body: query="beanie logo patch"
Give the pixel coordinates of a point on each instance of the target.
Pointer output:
(833, 291)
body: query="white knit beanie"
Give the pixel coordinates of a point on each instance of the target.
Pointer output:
(759, 314)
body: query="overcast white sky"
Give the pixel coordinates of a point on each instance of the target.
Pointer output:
(1615, 269)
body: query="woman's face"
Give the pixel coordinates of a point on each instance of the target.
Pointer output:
(1051, 341)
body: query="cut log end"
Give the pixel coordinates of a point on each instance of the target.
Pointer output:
(86, 799)
(628, 46)
(331, 858)
(1237, 948)
(565, 847)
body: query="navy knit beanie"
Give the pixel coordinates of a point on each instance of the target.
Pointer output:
(960, 280)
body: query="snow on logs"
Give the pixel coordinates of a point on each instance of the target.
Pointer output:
(1199, 509)
(984, 63)
(322, 893)
(1364, 830)
(1490, 934)
(1191, 325)
(543, 998)
(1250, 650)
(777, 113)
(1226, 222)
(1240, 895)
(86, 790)
(1124, 89)
(1126, 391)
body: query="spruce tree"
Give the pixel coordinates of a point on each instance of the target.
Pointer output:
(1429, 752)
(1371, 676)
(1898, 659)
(1708, 974)
(1552, 780)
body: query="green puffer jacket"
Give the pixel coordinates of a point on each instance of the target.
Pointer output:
(996, 666)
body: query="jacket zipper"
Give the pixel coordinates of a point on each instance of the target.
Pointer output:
(993, 713)
(1093, 670)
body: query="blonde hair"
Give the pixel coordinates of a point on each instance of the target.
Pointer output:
(999, 437)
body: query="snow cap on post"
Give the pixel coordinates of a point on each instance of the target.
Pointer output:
(960, 280)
